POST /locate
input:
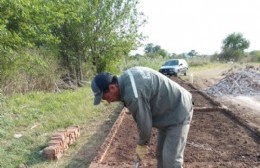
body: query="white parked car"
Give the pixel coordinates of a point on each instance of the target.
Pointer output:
(174, 67)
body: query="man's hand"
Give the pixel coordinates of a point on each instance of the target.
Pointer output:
(141, 151)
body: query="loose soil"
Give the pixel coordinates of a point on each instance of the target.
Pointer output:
(223, 134)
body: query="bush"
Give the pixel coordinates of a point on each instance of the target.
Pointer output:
(198, 61)
(29, 70)
(154, 63)
(254, 56)
(231, 55)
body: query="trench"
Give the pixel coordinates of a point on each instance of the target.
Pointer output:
(217, 138)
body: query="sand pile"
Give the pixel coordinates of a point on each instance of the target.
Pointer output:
(242, 82)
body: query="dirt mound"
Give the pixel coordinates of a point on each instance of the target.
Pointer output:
(245, 81)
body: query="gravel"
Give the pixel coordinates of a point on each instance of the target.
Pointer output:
(242, 82)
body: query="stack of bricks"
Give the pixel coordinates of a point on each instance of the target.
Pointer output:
(60, 142)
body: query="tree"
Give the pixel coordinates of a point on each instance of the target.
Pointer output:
(234, 46)
(111, 30)
(192, 53)
(24, 25)
(149, 48)
(29, 23)
(154, 50)
(97, 32)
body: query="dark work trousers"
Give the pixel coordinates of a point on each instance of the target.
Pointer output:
(171, 144)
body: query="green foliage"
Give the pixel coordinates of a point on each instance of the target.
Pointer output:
(2, 98)
(235, 41)
(28, 23)
(112, 32)
(255, 56)
(80, 33)
(29, 70)
(192, 53)
(233, 47)
(25, 25)
(198, 61)
(154, 63)
(231, 54)
(152, 50)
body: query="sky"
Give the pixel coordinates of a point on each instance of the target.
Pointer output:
(179, 26)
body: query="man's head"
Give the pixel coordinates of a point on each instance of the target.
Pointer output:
(104, 86)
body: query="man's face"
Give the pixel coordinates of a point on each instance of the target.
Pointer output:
(112, 94)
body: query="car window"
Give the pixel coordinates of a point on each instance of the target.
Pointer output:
(172, 62)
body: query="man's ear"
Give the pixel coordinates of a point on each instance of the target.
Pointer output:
(113, 87)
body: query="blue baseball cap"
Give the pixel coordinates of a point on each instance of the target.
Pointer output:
(100, 84)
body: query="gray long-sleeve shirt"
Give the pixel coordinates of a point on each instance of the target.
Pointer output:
(154, 100)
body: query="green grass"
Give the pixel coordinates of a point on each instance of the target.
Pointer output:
(200, 69)
(37, 115)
